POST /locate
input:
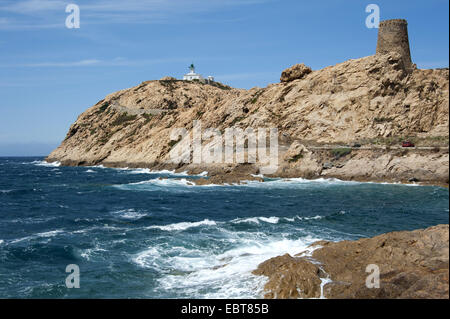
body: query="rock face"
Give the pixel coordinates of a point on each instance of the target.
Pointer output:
(295, 72)
(367, 100)
(412, 264)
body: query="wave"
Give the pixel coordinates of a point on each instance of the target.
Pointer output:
(165, 184)
(256, 220)
(273, 219)
(275, 183)
(129, 214)
(184, 225)
(45, 164)
(165, 172)
(91, 252)
(206, 222)
(47, 234)
(190, 271)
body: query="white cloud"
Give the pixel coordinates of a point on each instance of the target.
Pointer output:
(119, 61)
(30, 14)
(33, 6)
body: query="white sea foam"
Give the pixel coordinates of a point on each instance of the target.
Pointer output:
(189, 185)
(323, 282)
(184, 225)
(90, 171)
(166, 184)
(224, 274)
(164, 172)
(207, 222)
(97, 166)
(273, 219)
(1, 241)
(91, 252)
(148, 171)
(50, 233)
(256, 220)
(45, 164)
(47, 234)
(129, 214)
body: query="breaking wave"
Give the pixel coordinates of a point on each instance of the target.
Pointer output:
(223, 273)
(184, 225)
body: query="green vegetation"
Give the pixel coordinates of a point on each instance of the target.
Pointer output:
(220, 86)
(340, 152)
(148, 117)
(256, 96)
(123, 119)
(103, 108)
(200, 113)
(295, 158)
(382, 119)
(105, 139)
(236, 120)
(172, 143)
(432, 141)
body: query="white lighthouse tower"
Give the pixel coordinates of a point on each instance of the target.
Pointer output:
(192, 75)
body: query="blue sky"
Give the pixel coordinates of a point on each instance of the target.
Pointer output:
(50, 74)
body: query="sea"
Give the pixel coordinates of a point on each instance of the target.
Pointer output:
(138, 233)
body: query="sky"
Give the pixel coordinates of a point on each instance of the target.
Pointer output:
(50, 74)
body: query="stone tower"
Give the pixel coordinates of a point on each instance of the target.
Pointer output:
(393, 36)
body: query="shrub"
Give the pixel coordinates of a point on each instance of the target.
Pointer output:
(103, 107)
(341, 152)
(295, 158)
(148, 117)
(382, 119)
(172, 143)
(123, 119)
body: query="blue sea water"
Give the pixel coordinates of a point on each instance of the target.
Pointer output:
(134, 235)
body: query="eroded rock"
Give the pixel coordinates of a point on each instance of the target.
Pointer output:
(412, 264)
(296, 72)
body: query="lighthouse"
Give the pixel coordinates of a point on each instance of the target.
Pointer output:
(192, 75)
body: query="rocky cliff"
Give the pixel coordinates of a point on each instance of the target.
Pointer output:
(370, 101)
(411, 265)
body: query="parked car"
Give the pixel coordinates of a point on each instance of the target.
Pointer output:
(407, 144)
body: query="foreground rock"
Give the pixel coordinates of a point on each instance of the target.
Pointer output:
(412, 264)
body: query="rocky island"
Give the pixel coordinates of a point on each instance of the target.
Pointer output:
(346, 121)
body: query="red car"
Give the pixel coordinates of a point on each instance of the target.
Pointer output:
(407, 144)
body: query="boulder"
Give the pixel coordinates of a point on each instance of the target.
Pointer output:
(411, 264)
(168, 78)
(295, 72)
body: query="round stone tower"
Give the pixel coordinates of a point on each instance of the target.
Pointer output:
(393, 37)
